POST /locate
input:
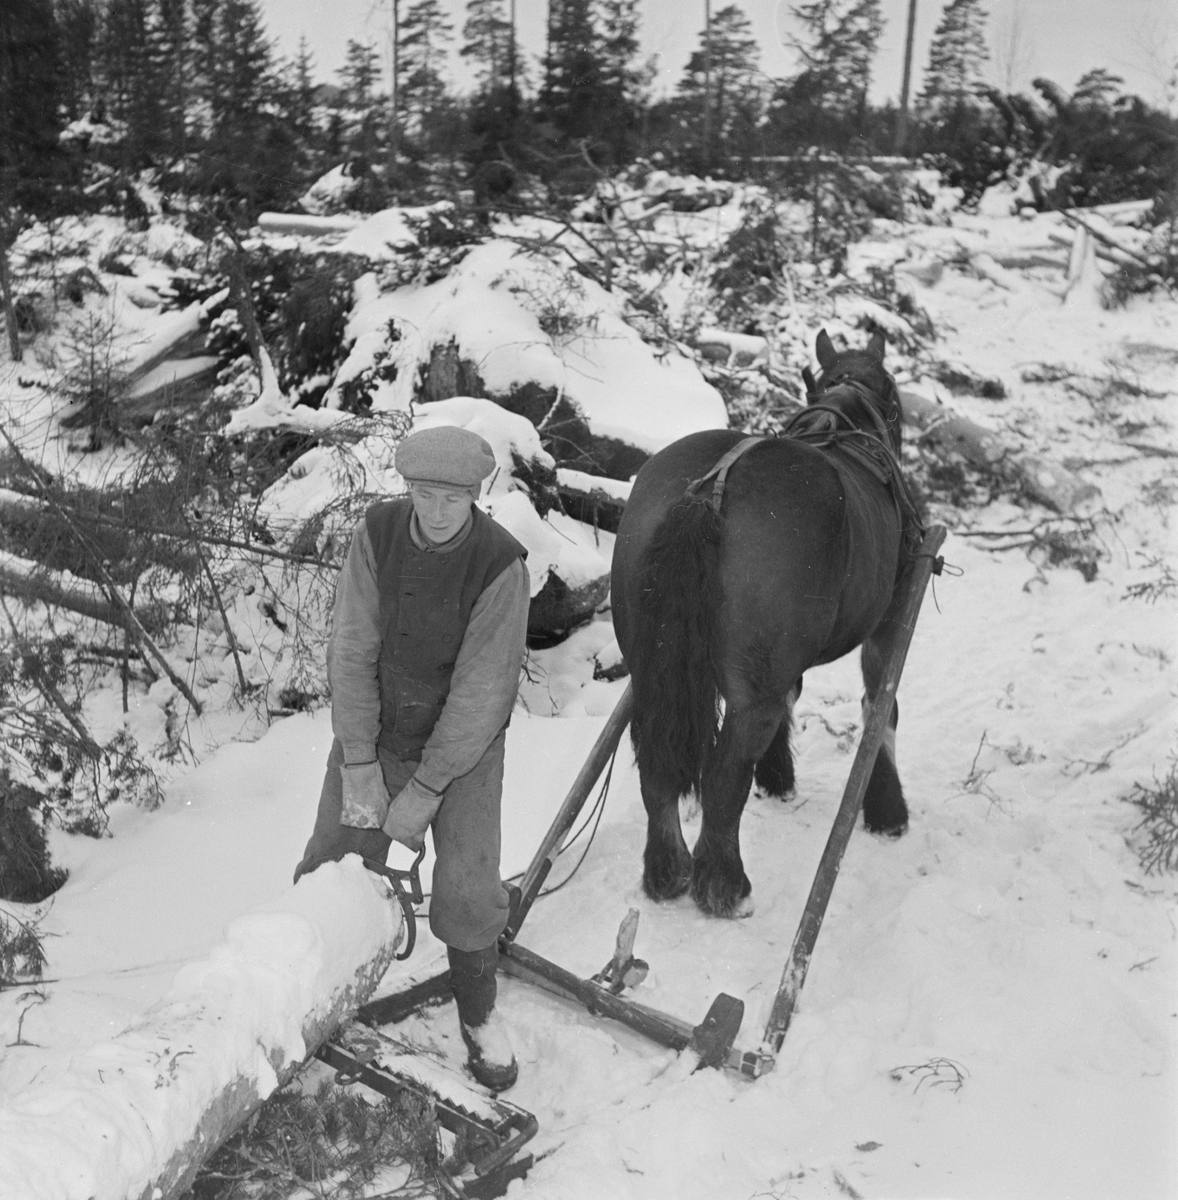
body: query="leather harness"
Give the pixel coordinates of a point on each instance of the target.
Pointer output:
(870, 450)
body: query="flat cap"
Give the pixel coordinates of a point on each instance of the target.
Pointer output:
(445, 454)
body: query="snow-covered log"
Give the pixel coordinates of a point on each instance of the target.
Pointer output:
(306, 225)
(30, 581)
(171, 384)
(173, 336)
(593, 499)
(732, 349)
(134, 1117)
(952, 434)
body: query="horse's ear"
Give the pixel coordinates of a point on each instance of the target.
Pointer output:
(877, 345)
(826, 351)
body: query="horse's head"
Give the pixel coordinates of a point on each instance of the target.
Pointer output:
(856, 384)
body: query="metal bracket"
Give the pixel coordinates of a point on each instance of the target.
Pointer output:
(416, 895)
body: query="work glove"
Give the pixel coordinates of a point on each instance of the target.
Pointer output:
(366, 799)
(410, 814)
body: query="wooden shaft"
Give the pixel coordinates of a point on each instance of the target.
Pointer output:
(874, 728)
(587, 777)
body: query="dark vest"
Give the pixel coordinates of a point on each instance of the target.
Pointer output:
(425, 603)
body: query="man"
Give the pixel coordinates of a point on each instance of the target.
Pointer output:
(427, 640)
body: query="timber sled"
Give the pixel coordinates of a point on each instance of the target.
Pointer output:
(485, 1134)
(504, 1129)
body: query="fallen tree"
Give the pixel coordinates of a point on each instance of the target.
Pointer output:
(134, 1117)
(30, 581)
(948, 433)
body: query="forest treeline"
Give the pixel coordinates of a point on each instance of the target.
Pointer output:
(99, 96)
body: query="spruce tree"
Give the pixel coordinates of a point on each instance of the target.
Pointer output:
(487, 43)
(956, 57)
(571, 93)
(169, 68)
(359, 77)
(426, 32)
(826, 101)
(77, 24)
(126, 80)
(29, 125)
(248, 156)
(494, 110)
(624, 80)
(721, 84)
(301, 93)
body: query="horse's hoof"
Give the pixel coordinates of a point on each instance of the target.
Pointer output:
(895, 832)
(735, 910)
(665, 885)
(715, 895)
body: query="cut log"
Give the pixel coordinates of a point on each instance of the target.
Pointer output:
(306, 225)
(949, 433)
(30, 581)
(174, 335)
(732, 349)
(175, 383)
(1082, 278)
(135, 1116)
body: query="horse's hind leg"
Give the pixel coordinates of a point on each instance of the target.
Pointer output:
(718, 882)
(884, 807)
(774, 773)
(666, 870)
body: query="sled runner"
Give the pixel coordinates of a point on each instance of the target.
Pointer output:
(486, 1133)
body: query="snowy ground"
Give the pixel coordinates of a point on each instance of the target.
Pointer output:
(992, 1009)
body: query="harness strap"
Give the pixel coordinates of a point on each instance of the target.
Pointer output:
(720, 471)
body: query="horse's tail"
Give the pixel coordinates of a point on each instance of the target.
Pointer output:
(674, 653)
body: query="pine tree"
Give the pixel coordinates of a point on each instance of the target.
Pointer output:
(721, 83)
(956, 57)
(825, 103)
(426, 32)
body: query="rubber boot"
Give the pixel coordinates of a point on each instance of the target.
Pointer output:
(472, 981)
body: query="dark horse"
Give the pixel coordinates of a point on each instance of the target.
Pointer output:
(728, 585)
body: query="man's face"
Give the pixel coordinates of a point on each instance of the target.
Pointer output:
(441, 510)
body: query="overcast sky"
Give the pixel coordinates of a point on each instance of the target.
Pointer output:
(1057, 38)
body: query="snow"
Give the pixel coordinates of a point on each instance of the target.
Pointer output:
(555, 543)
(495, 308)
(991, 1006)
